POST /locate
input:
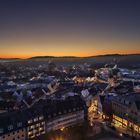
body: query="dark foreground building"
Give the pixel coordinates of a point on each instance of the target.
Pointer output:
(44, 116)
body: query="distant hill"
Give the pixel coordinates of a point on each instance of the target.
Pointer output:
(106, 55)
(127, 61)
(44, 57)
(9, 59)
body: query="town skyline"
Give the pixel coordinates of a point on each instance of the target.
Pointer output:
(68, 28)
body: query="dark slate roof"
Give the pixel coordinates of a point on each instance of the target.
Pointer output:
(137, 104)
(11, 118)
(102, 99)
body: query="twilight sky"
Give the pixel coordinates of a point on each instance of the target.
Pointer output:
(68, 27)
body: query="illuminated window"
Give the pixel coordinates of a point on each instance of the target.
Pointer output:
(136, 128)
(38, 125)
(36, 119)
(125, 122)
(42, 123)
(117, 118)
(96, 102)
(30, 121)
(41, 118)
(32, 127)
(29, 133)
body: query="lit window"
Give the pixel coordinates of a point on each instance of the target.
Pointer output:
(40, 128)
(42, 123)
(41, 118)
(29, 133)
(32, 127)
(36, 119)
(30, 121)
(38, 125)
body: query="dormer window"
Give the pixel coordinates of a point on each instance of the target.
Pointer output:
(10, 127)
(41, 118)
(36, 119)
(1, 130)
(19, 124)
(30, 121)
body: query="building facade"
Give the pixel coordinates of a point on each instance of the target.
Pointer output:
(126, 114)
(44, 116)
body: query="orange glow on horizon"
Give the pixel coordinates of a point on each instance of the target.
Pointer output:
(26, 48)
(26, 57)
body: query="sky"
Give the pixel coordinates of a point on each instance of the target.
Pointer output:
(68, 27)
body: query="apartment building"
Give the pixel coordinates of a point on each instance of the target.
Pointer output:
(126, 113)
(12, 126)
(44, 116)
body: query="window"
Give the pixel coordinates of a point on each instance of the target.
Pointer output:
(38, 125)
(30, 121)
(32, 127)
(41, 118)
(1, 130)
(36, 119)
(10, 127)
(19, 124)
(42, 123)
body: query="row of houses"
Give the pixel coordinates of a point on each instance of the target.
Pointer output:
(121, 112)
(43, 117)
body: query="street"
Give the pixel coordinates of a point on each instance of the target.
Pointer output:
(83, 132)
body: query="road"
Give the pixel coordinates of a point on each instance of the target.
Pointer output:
(82, 133)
